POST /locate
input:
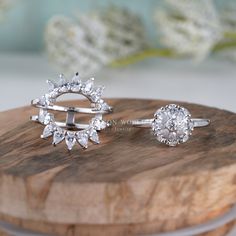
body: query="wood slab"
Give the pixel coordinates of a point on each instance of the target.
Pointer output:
(128, 184)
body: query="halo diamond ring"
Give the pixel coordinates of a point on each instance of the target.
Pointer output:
(172, 124)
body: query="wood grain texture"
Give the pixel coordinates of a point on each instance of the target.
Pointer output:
(100, 230)
(128, 179)
(2, 233)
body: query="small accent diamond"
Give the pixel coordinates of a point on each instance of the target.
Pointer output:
(45, 117)
(98, 123)
(54, 93)
(42, 114)
(64, 88)
(45, 100)
(103, 106)
(97, 93)
(52, 85)
(48, 118)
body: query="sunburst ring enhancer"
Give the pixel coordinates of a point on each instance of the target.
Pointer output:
(172, 124)
(70, 131)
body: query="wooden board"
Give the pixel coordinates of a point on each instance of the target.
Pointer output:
(129, 181)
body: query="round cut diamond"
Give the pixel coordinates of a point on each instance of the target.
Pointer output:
(172, 125)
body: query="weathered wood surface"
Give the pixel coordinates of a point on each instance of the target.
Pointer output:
(98, 230)
(129, 180)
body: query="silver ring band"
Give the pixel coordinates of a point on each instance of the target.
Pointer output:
(63, 124)
(147, 123)
(72, 109)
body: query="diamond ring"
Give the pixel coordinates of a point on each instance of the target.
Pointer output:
(172, 124)
(70, 131)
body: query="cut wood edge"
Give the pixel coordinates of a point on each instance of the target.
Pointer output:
(143, 202)
(114, 230)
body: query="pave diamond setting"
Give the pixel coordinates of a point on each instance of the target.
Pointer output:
(54, 129)
(172, 125)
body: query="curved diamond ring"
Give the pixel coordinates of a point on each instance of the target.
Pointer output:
(87, 89)
(70, 130)
(172, 124)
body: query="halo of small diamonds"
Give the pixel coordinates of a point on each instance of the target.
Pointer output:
(59, 134)
(77, 86)
(172, 125)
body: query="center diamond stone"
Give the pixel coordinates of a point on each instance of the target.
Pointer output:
(172, 125)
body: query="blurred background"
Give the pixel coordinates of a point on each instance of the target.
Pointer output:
(181, 50)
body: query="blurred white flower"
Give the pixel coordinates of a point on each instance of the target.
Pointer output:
(228, 17)
(188, 27)
(4, 6)
(94, 39)
(228, 21)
